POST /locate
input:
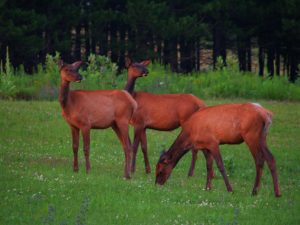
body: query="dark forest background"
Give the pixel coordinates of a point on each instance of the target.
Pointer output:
(180, 33)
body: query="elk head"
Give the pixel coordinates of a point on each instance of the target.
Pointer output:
(136, 69)
(69, 72)
(164, 168)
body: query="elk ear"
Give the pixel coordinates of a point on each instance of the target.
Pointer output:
(163, 158)
(162, 153)
(146, 62)
(60, 64)
(128, 62)
(77, 64)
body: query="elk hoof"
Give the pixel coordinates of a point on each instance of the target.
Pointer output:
(254, 192)
(127, 177)
(278, 195)
(229, 189)
(190, 174)
(208, 188)
(148, 170)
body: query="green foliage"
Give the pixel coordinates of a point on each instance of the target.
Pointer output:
(220, 63)
(33, 30)
(7, 86)
(100, 73)
(51, 69)
(227, 82)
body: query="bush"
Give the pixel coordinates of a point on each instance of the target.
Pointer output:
(7, 86)
(101, 73)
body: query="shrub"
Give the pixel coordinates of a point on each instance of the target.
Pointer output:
(7, 86)
(101, 73)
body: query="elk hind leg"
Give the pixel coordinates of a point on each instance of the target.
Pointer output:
(121, 130)
(193, 163)
(209, 168)
(272, 166)
(259, 164)
(135, 146)
(145, 151)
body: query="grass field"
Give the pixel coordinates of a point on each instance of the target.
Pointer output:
(38, 185)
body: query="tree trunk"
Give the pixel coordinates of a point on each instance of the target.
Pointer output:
(249, 54)
(87, 40)
(165, 52)
(277, 63)
(261, 61)
(270, 61)
(219, 44)
(197, 55)
(293, 67)
(121, 50)
(77, 53)
(242, 57)
(285, 62)
(186, 56)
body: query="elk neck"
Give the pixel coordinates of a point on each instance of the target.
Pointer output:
(179, 148)
(130, 85)
(64, 93)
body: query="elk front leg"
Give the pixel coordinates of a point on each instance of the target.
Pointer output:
(75, 145)
(86, 148)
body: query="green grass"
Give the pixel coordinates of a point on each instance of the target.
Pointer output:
(39, 187)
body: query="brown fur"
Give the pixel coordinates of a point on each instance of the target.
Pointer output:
(163, 112)
(223, 124)
(85, 110)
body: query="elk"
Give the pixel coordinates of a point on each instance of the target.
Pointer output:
(100, 109)
(223, 124)
(163, 112)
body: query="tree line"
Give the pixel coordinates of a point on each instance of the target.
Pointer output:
(173, 32)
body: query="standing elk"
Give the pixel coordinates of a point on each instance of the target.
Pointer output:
(85, 110)
(223, 124)
(163, 112)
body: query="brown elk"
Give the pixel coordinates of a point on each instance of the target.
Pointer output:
(163, 112)
(223, 124)
(85, 110)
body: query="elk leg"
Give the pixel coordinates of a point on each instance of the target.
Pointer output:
(259, 163)
(137, 139)
(209, 168)
(86, 148)
(257, 154)
(121, 130)
(75, 145)
(272, 166)
(218, 158)
(193, 162)
(145, 152)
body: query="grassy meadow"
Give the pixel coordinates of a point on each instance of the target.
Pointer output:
(38, 185)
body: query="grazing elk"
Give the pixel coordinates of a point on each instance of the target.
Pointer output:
(85, 110)
(223, 124)
(163, 112)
